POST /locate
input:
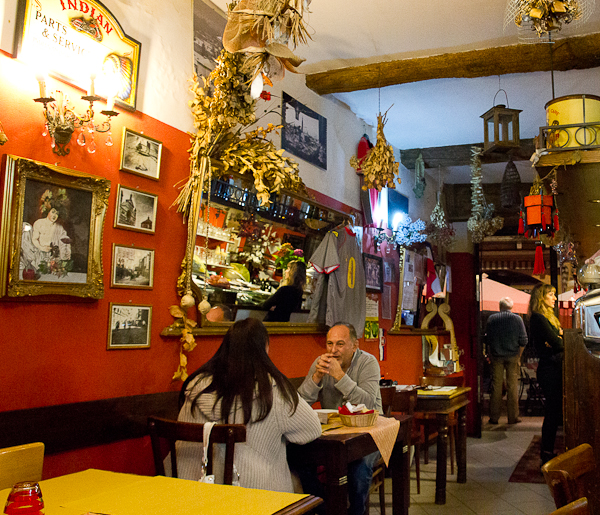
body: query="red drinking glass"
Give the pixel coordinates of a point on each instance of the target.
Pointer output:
(25, 499)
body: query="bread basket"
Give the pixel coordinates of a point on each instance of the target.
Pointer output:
(360, 419)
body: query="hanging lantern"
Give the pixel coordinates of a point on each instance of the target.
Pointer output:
(539, 215)
(500, 129)
(510, 195)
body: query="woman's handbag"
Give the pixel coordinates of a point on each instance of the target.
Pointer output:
(210, 478)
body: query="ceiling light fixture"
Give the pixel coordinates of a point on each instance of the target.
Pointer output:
(536, 18)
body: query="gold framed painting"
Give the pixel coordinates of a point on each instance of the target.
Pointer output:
(51, 233)
(135, 210)
(129, 326)
(132, 267)
(140, 154)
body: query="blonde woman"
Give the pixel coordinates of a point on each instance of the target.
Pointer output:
(288, 297)
(546, 334)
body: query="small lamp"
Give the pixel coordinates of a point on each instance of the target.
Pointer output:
(501, 129)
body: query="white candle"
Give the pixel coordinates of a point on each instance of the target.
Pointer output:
(91, 91)
(110, 103)
(42, 82)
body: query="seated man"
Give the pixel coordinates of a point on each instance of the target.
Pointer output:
(344, 374)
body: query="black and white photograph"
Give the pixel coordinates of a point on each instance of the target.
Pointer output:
(129, 326)
(135, 210)
(140, 154)
(373, 273)
(304, 132)
(209, 24)
(132, 267)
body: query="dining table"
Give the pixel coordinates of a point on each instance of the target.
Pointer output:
(100, 492)
(336, 448)
(442, 401)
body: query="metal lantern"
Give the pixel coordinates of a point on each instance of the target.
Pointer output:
(501, 129)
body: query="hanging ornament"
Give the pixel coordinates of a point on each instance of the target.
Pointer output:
(364, 146)
(482, 222)
(509, 188)
(379, 166)
(420, 182)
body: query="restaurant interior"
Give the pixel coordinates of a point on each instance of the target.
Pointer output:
(165, 245)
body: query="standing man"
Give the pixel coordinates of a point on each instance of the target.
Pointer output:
(505, 339)
(345, 374)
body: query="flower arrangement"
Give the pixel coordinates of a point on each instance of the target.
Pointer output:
(287, 253)
(408, 232)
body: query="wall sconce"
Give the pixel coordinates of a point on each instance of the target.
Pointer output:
(60, 119)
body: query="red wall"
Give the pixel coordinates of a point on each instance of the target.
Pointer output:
(55, 352)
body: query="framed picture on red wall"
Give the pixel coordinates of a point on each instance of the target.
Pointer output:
(140, 154)
(132, 267)
(373, 266)
(51, 232)
(129, 326)
(135, 210)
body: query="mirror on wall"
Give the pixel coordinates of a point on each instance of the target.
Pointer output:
(235, 259)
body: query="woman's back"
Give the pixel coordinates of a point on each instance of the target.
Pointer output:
(261, 461)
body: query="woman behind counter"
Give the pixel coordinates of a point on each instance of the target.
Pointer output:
(241, 385)
(288, 297)
(546, 335)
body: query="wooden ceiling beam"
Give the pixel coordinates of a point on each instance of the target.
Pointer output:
(460, 155)
(576, 53)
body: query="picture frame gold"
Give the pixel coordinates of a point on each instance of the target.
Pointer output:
(140, 154)
(129, 326)
(135, 210)
(132, 267)
(51, 230)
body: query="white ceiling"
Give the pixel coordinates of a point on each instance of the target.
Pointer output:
(438, 112)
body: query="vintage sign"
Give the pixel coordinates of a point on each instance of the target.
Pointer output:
(81, 43)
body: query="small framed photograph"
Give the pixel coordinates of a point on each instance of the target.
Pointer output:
(129, 326)
(51, 230)
(135, 210)
(132, 267)
(373, 273)
(140, 154)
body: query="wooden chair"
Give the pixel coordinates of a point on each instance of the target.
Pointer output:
(578, 507)
(378, 480)
(567, 474)
(21, 463)
(172, 430)
(405, 401)
(428, 421)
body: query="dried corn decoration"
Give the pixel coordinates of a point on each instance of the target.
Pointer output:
(379, 167)
(482, 222)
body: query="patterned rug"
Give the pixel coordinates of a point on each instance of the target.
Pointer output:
(528, 468)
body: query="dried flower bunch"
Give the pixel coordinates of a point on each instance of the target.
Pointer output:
(482, 222)
(262, 30)
(379, 167)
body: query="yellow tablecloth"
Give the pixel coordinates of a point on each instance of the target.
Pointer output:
(384, 433)
(100, 491)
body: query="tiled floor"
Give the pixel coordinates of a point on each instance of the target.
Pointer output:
(490, 463)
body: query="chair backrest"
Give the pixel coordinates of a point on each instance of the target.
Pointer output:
(387, 399)
(578, 507)
(397, 401)
(21, 463)
(442, 380)
(172, 430)
(567, 474)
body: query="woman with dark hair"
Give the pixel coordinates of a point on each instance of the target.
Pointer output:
(241, 385)
(288, 297)
(546, 335)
